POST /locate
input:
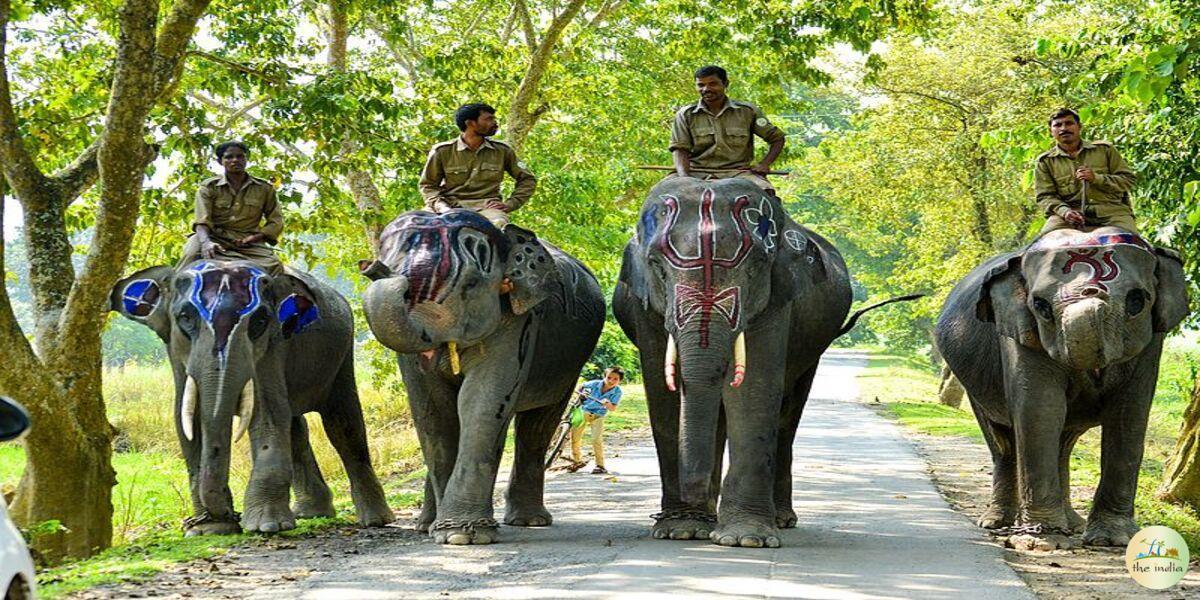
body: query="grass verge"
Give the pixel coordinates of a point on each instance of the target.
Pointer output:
(907, 389)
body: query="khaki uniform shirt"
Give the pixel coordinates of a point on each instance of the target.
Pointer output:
(234, 214)
(724, 140)
(1058, 191)
(470, 178)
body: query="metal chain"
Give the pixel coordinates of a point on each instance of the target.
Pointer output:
(689, 514)
(469, 525)
(1034, 529)
(206, 517)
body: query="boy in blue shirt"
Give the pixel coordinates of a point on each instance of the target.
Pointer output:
(600, 397)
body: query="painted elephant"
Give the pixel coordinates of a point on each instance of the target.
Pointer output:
(267, 350)
(487, 324)
(1049, 342)
(731, 304)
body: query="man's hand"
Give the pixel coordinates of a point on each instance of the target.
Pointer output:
(441, 206)
(1075, 217)
(253, 238)
(609, 405)
(496, 205)
(1085, 174)
(209, 249)
(760, 169)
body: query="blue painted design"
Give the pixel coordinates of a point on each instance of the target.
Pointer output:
(764, 226)
(648, 224)
(299, 309)
(198, 271)
(134, 298)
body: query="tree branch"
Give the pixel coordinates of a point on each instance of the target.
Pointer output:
(19, 360)
(526, 25)
(23, 174)
(243, 114)
(237, 66)
(521, 118)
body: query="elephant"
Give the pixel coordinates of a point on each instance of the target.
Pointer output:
(268, 350)
(1050, 341)
(487, 324)
(731, 304)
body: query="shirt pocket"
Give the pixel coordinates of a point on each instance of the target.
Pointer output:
(252, 205)
(1067, 184)
(222, 201)
(490, 173)
(737, 139)
(456, 176)
(703, 136)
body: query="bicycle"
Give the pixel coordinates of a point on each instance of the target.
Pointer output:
(572, 418)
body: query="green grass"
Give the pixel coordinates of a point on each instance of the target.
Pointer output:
(151, 497)
(907, 387)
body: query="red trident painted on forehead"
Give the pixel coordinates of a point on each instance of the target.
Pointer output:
(691, 301)
(1107, 270)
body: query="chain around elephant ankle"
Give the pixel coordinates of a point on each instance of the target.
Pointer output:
(469, 525)
(206, 517)
(689, 514)
(1033, 529)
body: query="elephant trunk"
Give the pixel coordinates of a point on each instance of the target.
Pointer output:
(1084, 334)
(222, 395)
(386, 307)
(702, 372)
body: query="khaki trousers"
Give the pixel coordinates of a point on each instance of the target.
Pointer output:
(498, 218)
(596, 422)
(1099, 215)
(759, 180)
(259, 254)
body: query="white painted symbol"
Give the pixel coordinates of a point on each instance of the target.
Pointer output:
(795, 239)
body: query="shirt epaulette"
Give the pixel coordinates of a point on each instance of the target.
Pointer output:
(211, 180)
(499, 143)
(1102, 142)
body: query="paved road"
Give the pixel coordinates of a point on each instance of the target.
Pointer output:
(871, 526)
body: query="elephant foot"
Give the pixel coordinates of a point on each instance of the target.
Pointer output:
(746, 534)
(1041, 537)
(203, 524)
(682, 525)
(785, 517)
(426, 518)
(997, 517)
(375, 514)
(1109, 530)
(307, 508)
(268, 518)
(528, 517)
(456, 532)
(1075, 522)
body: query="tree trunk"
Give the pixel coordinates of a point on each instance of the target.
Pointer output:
(1181, 478)
(521, 116)
(362, 186)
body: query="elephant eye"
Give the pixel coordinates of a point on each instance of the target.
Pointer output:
(471, 284)
(1135, 302)
(186, 321)
(258, 323)
(1043, 309)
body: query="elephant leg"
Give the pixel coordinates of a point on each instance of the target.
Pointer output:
(1074, 521)
(313, 498)
(343, 421)
(1039, 409)
(793, 407)
(677, 520)
(433, 403)
(746, 516)
(486, 403)
(266, 503)
(1002, 511)
(524, 497)
(1122, 440)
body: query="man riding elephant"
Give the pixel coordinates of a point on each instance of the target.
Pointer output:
(466, 172)
(1082, 184)
(714, 138)
(236, 215)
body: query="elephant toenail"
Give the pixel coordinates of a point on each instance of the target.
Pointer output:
(728, 540)
(773, 542)
(458, 539)
(681, 535)
(751, 542)
(660, 534)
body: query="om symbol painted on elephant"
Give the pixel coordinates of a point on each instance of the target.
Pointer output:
(691, 301)
(1105, 269)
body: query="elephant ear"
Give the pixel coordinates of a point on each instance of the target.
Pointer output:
(530, 269)
(799, 263)
(632, 279)
(1003, 300)
(296, 306)
(1171, 304)
(142, 297)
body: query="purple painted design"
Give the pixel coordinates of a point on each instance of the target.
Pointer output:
(223, 295)
(430, 251)
(1104, 269)
(1091, 241)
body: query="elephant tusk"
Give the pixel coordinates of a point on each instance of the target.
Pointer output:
(187, 408)
(669, 366)
(245, 410)
(739, 360)
(455, 366)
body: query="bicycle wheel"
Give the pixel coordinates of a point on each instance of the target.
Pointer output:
(560, 438)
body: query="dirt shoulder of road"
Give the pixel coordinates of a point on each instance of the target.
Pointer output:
(961, 469)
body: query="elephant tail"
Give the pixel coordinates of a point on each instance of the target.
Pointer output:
(862, 311)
